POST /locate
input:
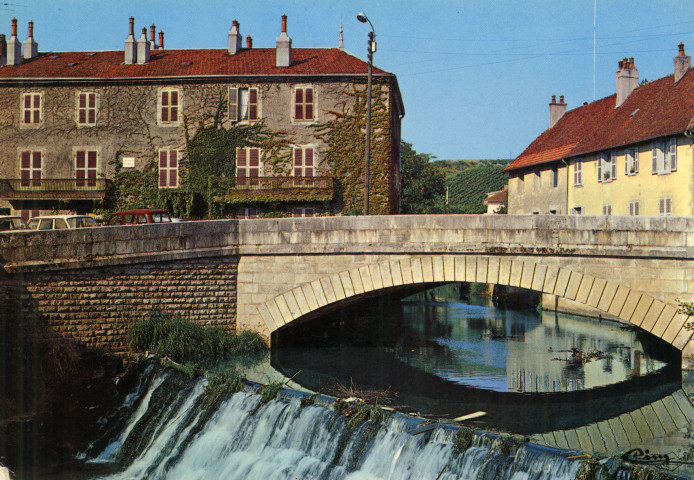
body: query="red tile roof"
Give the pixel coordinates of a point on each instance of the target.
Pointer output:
(652, 110)
(187, 63)
(499, 197)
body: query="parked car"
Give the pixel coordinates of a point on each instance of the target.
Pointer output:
(140, 216)
(12, 222)
(60, 222)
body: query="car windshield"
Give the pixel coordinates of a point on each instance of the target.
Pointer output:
(81, 222)
(12, 224)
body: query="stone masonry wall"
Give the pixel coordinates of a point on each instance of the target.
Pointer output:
(94, 306)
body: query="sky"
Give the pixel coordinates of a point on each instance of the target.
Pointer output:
(476, 76)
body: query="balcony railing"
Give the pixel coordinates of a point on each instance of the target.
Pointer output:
(53, 188)
(281, 189)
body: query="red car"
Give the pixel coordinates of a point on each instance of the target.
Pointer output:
(140, 216)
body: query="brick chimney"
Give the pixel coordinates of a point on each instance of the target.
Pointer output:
(3, 51)
(131, 44)
(249, 42)
(235, 38)
(556, 110)
(31, 48)
(143, 48)
(152, 37)
(284, 46)
(682, 63)
(161, 40)
(14, 48)
(627, 79)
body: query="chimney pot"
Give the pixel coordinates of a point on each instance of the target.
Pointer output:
(249, 42)
(131, 44)
(621, 64)
(283, 52)
(161, 39)
(682, 63)
(556, 110)
(235, 38)
(631, 62)
(31, 48)
(152, 36)
(132, 26)
(14, 47)
(143, 48)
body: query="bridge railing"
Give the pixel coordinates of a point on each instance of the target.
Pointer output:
(52, 188)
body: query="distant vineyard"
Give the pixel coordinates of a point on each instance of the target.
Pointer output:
(467, 189)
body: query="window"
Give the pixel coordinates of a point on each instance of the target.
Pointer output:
(85, 168)
(537, 180)
(607, 209)
(298, 212)
(243, 104)
(168, 168)
(247, 213)
(555, 177)
(169, 106)
(86, 109)
(664, 157)
(30, 168)
(303, 162)
(31, 109)
(607, 167)
(303, 104)
(631, 161)
(577, 211)
(635, 207)
(578, 172)
(247, 166)
(665, 206)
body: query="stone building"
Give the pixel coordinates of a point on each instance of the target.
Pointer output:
(627, 154)
(67, 119)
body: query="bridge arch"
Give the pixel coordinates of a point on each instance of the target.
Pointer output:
(628, 305)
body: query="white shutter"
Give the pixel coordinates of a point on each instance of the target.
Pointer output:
(613, 161)
(627, 156)
(654, 150)
(233, 104)
(672, 152)
(636, 159)
(599, 160)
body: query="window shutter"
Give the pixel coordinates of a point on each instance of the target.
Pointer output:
(233, 104)
(174, 106)
(26, 160)
(299, 104)
(80, 160)
(173, 168)
(164, 106)
(636, 160)
(627, 156)
(162, 167)
(240, 157)
(599, 160)
(672, 151)
(308, 162)
(253, 104)
(298, 161)
(654, 150)
(613, 161)
(309, 104)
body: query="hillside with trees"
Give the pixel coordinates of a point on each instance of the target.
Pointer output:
(447, 186)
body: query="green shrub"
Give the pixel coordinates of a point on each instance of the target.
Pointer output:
(270, 391)
(184, 341)
(359, 411)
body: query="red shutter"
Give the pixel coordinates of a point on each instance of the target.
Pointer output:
(241, 157)
(83, 100)
(80, 160)
(36, 164)
(309, 104)
(92, 100)
(253, 160)
(164, 106)
(26, 160)
(298, 157)
(174, 106)
(298, 104)
(27, 101)
(91, 159)
(37, 101)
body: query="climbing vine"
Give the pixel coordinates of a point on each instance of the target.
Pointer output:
(345, 136)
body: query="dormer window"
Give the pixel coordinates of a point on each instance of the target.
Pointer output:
(243, 104)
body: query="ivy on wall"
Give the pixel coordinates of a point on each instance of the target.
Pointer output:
(345, 135)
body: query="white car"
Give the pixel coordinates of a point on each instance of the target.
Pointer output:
(9, 223)
(60, 222)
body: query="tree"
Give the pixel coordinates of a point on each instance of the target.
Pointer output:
(423, 184)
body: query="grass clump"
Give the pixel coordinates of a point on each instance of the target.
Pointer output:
(309, 400)
(463, 440)
(220, 386)
(359, 411)
(184, 341)
(270, 391)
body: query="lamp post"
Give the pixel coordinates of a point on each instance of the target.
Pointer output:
(367, 158)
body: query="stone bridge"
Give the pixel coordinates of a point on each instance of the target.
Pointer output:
(265, 274)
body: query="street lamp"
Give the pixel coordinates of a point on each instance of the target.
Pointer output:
(371, 49)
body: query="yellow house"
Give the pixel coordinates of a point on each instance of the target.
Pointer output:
(627, 154)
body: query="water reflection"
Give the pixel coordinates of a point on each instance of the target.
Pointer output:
(531, 373)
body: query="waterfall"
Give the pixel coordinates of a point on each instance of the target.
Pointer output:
(170, 436)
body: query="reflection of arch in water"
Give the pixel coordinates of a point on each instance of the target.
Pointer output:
(631, 306)
(619, 434)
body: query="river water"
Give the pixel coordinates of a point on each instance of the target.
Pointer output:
(545, 387)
